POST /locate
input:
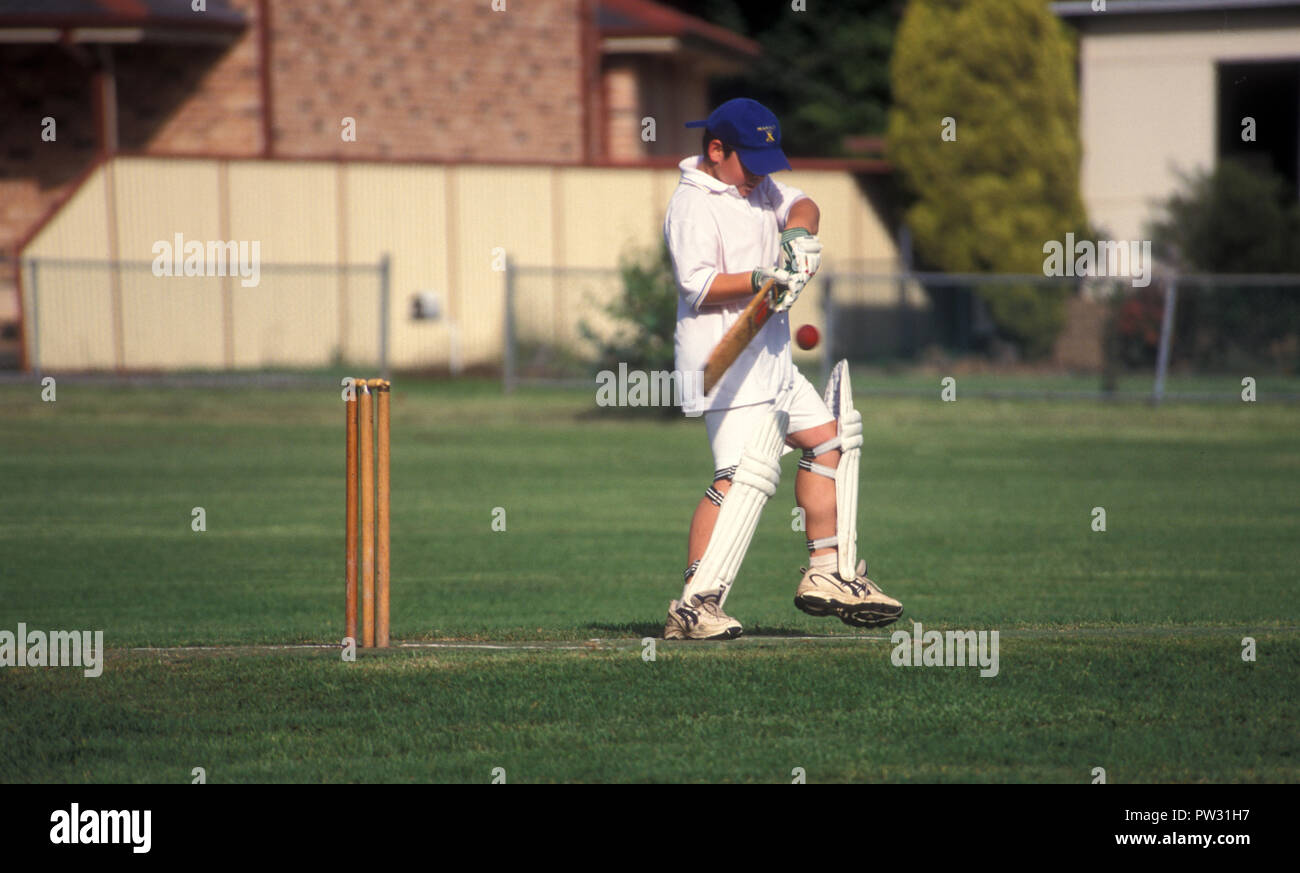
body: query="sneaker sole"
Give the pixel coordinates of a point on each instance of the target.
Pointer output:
(728, 634)
(855, 615)
(731, 633)
(868, 617)
(814, 605)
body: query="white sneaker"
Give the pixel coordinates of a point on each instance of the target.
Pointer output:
(703, 619)
(858, 602)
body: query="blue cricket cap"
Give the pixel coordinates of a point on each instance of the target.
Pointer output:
(752, 130)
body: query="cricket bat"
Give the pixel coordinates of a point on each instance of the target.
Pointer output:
(738, 336)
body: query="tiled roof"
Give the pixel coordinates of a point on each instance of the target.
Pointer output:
(117, 13)
(646, 18)
(1083, 8)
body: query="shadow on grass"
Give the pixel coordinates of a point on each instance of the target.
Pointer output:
(656, 630)
(627, 629)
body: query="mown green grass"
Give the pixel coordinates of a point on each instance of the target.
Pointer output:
(1165, 708)
(1122, 648)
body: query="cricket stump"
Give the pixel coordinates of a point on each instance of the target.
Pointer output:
(381, 514)
(350, 536)
(366, 456)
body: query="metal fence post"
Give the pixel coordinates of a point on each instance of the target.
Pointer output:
(828, 326)
(35, 360)
(1110, 356)
(119, 317)
(1166, 331)
(905, 344)
(508, 375)
(385, 262)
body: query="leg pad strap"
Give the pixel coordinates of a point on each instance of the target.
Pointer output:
(824, 542)
(754, 481)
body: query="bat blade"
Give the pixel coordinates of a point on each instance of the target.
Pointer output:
(738, 337)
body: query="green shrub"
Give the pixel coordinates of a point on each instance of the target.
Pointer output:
(988, 201)
(1029, 315)
(1233, 220)
(645, 315)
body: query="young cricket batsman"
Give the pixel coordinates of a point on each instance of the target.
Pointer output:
(731, 228)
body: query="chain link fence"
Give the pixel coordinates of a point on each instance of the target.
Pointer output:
(1180, 337)
(554, 321)
(1195, 337)
(89, 316)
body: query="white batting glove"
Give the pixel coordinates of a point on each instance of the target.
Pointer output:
(785, 287)
(801, 252)
(759, 277)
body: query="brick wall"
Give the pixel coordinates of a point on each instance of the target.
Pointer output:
(39, 81)
(623, 112)
(424, 80)
(428, 80)
(193, 99)
(187, 99)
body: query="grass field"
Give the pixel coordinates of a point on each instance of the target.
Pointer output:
(1118, 649)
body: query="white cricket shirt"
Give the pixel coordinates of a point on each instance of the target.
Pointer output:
(711, 229)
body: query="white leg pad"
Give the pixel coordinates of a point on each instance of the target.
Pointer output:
(756, 478)
(839, 399)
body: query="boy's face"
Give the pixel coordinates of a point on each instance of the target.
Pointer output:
(730, 170)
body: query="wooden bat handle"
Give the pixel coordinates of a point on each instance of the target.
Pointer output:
(737, 337)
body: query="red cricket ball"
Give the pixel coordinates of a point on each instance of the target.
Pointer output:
(807, 337)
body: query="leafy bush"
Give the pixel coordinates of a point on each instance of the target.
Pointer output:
(645, 314)
(1137, 319)
(988, 201)
(1233, 220)
(1031, 316)
(824, 74)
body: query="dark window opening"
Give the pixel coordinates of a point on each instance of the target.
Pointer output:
(1268, 92)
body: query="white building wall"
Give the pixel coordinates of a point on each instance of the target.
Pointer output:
(1148, 104)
